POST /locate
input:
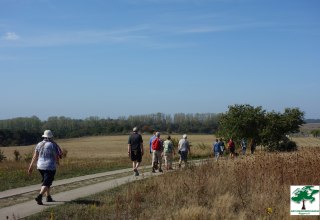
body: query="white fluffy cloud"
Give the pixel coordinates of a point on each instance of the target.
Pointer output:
(11, 36)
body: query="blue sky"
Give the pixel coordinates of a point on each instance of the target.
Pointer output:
(107, 58)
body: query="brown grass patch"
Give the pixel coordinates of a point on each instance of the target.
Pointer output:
(241, 188)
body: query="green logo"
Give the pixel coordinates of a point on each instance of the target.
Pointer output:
(304, 194)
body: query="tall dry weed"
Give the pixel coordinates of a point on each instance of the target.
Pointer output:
(249, 187)
(243, 188)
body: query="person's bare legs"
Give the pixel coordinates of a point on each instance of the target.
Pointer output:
(44, 189)
(135, 166)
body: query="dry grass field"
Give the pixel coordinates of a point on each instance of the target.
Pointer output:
(243, 188)
(310, 126)
(250, 187)
(86, 155)
(106, 147)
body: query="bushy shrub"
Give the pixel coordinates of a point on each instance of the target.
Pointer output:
(315, 133)
(28, 156)
(2, 156)
(65, 153)
(175, 142)
(203, 146)
(288, 146)
(284, 145)
(17, 156)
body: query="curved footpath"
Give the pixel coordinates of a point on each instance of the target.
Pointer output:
(24, 209)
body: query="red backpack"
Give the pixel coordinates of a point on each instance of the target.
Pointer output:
(156, 144)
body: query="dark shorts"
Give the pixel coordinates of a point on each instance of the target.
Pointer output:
(232, 150)
(136, 155)
(47, 177)
(184, 155)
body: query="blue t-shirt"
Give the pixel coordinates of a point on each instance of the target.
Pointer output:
(216, 147)
(48, 153)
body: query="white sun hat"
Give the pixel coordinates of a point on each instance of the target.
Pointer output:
(184, 136)
(47, 134)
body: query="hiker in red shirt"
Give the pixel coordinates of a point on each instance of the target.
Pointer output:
(157, 148)
(231, 147)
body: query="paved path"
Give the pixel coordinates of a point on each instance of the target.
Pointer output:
(25, 209)
(28, 208)
(26, 189)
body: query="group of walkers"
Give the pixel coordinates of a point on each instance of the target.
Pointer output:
(218, 147)
(47, 154)
(158, 149)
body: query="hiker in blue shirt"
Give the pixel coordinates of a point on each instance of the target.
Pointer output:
(216, 149)
(244, 146)
(151, 139)
(221, 144)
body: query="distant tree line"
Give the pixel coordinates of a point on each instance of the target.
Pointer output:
(28, 130)
(312, 120)
(270, 129)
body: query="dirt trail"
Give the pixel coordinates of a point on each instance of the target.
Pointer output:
(19, 203)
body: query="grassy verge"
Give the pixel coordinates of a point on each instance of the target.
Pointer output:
(251, 187)
(14, 174)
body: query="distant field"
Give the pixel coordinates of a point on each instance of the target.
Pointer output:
(102, 146)
(111, 147)
(307, 141)
(86, 155)
(310, 126)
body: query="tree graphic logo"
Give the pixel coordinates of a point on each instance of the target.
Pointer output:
(305, 200)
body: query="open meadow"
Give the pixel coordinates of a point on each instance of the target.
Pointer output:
(85, 155)
(247, 187)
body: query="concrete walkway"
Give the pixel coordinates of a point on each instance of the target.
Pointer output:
(28, 208)
(25, 209)
(26, 189)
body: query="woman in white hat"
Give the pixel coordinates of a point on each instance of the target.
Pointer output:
(184, 150)
(47, 154)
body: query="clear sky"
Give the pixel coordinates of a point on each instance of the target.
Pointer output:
(112, 58)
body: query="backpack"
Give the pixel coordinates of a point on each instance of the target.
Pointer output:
(168, 146)
(156, 144)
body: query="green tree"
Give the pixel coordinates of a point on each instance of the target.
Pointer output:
(315, 133)
(242, 121)
(306, 193)
(278, 126)
(267, 128)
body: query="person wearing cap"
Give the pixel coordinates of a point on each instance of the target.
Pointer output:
(135, 150)
(184, 150)
(47, 154)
